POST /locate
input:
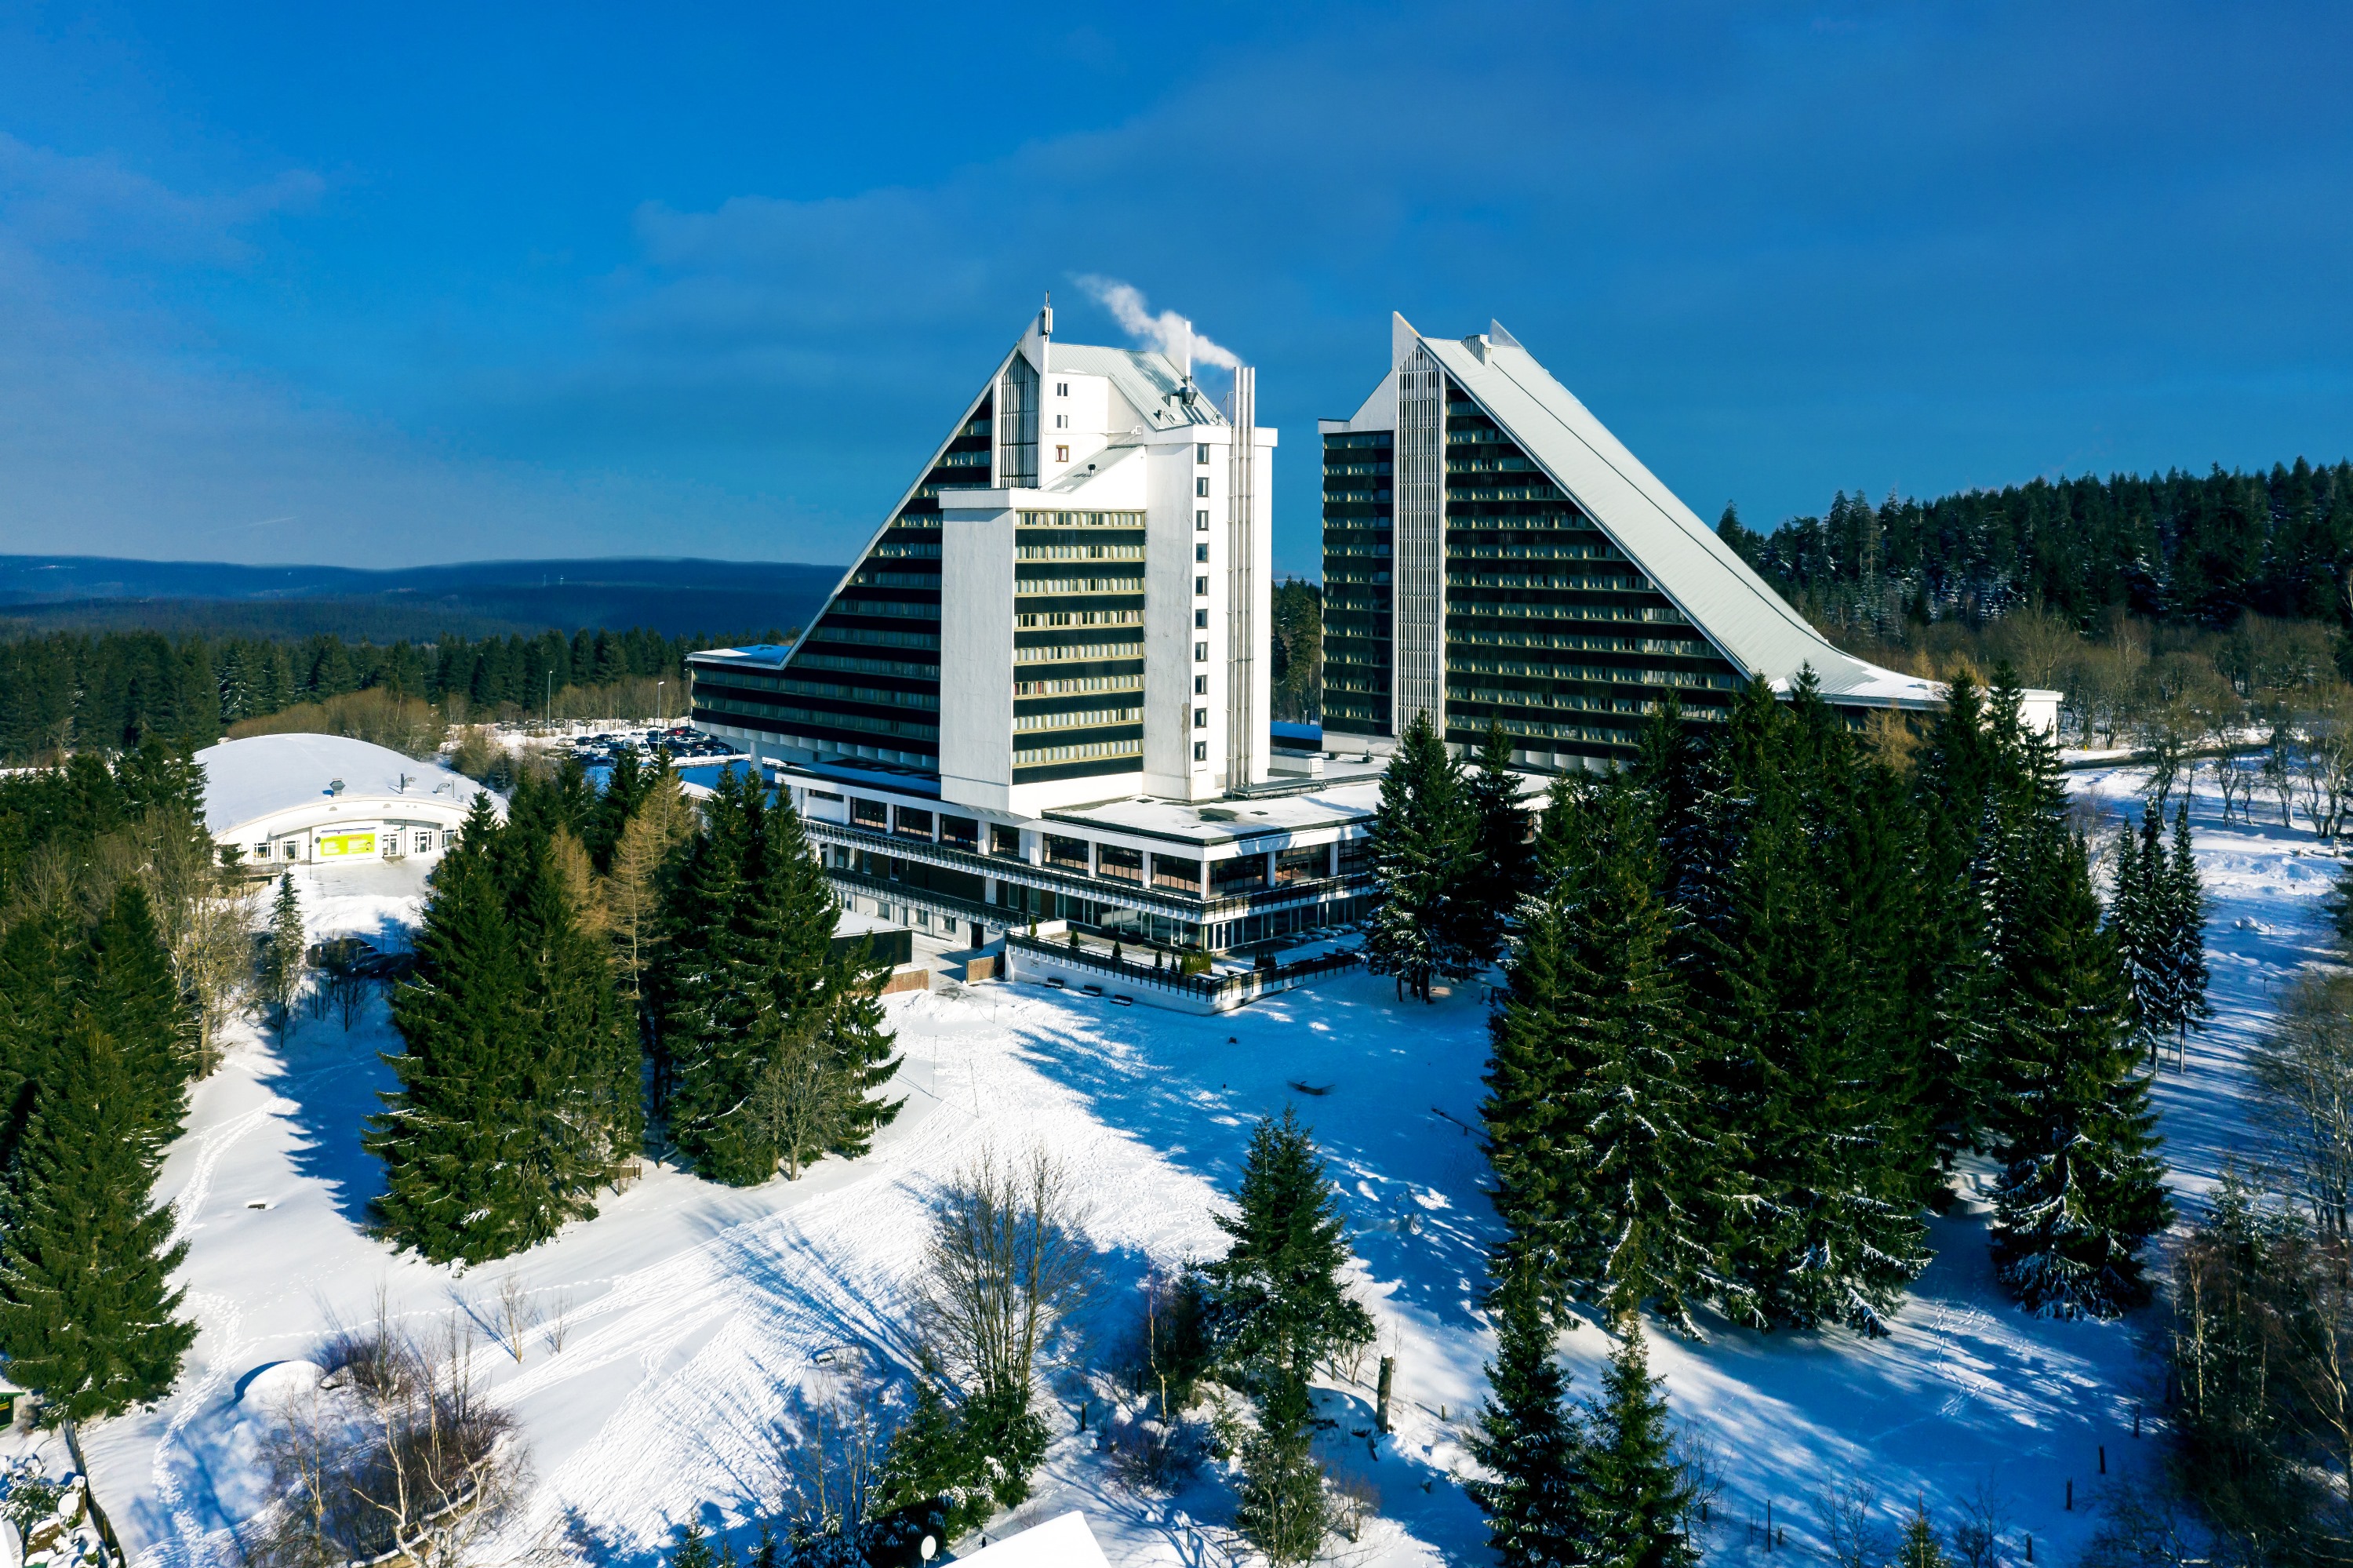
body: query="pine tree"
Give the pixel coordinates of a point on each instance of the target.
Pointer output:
(85, 1307)
(282, 957)
(1637, 1493)
(1531, 1441)
(1277, 1305)
(1501, 865)
(1283, 1510)
(1423, 851)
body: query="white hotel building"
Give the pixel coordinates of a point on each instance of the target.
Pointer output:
(1041, 694)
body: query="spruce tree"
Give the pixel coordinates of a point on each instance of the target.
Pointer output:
(2082, 1188)
(1501, 861)
(2184, 903)
(1636, 1493)
(1811, 1075)
(1283, 1510)
(1423, 849)
(129, 993)
(1920, 1546)
(1528, 1123)
(37, 997)
(1615, 1125)
(1953, 786)
(2133, 916)
(1277, 1303)
(467, 1172)
(85, 1308)
(282, 958)
(1531, 1442)
(760, 997)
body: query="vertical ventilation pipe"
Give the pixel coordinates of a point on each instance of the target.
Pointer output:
(1242, 718)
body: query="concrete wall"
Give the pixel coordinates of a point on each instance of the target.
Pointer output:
(976, 659)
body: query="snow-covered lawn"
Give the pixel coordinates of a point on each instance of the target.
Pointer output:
(692, 1314)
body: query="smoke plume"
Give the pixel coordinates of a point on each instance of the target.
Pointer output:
(1165, 332)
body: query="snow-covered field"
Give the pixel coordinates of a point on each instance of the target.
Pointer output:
(692, 1314)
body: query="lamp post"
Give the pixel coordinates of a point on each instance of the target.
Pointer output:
(658, 702)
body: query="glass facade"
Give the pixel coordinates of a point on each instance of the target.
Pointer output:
(1549, 628)
(1359, 512)
(866, 681)
(1078, 644)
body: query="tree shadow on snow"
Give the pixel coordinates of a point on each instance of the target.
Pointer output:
(1395, 1119)
(333, 1079)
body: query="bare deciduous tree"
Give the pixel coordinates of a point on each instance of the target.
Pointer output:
(1852, 1529)
(394, 1453)
(792, 1102)
(2304, 1069)
(1009, 1259)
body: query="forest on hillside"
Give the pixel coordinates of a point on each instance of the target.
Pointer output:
(2172, 547)
(111, 690)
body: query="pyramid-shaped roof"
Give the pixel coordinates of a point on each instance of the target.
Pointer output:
(1723, 596)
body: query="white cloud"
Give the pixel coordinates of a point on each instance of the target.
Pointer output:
(1169, 332)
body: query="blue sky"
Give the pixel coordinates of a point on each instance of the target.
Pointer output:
(390, 285)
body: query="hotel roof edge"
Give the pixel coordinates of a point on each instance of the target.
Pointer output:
(1737, 609)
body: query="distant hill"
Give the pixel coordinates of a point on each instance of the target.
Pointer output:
(677, 597)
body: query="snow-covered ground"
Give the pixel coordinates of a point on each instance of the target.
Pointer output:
(692, 1314)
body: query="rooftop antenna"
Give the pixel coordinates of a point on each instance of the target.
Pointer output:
(1045, 333)
(1185, 359)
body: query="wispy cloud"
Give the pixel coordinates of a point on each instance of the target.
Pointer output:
(1166, 332)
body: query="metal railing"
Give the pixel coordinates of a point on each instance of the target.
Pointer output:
(1211, 988)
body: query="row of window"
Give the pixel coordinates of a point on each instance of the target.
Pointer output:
(1581, 581)
(1089, 751)
(868, 577)
(418, 841)
(807, 660)
(1078, 683)
(886, 606)
(1056, 654)
(1584, 612)
(876, 637)
(1078, 520)
(1080, 618)
(1083, 719)
(1031, 587)
(805, 716)
(1504, 635)
(1078, 553)
(1614, 673)
(881, 697)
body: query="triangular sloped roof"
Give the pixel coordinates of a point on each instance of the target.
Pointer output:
(1737, 609)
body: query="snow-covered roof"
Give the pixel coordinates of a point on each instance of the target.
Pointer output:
(261, 774)
(1337, 804)
(1725, 599)
(1063, 1543)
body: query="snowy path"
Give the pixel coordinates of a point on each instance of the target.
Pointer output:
(692, 1315)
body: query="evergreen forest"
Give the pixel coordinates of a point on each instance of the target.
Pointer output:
(110, 691)
(2177, 546)
(1764, 988)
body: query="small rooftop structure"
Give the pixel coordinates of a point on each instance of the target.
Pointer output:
(1062, 1542)
(279, 799)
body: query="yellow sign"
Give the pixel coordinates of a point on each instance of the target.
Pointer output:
(333, 845)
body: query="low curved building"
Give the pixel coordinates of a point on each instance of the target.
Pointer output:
(295, 800)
